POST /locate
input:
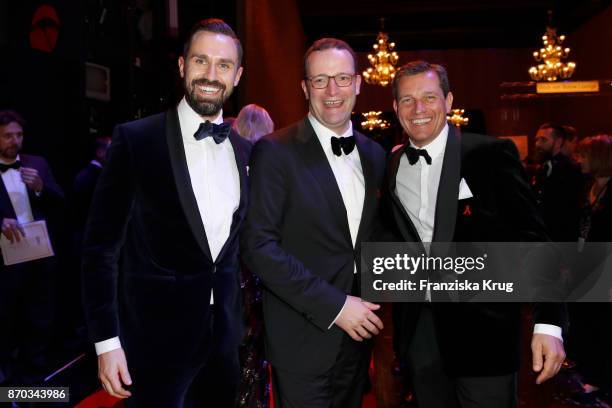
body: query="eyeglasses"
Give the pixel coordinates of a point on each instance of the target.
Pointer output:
(321, 81)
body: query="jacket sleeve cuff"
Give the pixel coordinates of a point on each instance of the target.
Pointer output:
(338, 315)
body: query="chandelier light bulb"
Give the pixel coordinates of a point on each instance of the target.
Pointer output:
(552, 55)
(456, 117)
(373, 121)
(382, 62)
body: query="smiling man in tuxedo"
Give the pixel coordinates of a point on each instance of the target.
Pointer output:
(443, 186)
(313, 201)
(160, 258)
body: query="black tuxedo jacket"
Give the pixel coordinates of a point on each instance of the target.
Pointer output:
(147, 267)
(475, 339)
(559, 197)
(45, 206)
(297, 240)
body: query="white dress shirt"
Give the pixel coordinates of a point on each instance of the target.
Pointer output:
(347, 172)
(216, 185)
(349, 178)
(417, 189)
(214, 177)
(417, 186)
(18, 193)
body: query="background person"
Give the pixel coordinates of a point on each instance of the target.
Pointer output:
(253, 122)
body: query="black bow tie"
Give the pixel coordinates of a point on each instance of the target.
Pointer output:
(4, 167)
(218, 132)
(342, 144)
(413, 155)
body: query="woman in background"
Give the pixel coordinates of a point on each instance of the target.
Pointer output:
(591, 323)
(253, 122)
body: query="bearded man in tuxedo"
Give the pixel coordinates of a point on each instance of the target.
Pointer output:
(160, 259)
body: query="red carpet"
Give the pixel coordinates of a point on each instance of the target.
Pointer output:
(100, 399)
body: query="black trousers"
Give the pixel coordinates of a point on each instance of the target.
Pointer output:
(211, 385)
(210, 382)
(590, 336)
(27, 308)
(341, 387)
(434, 388)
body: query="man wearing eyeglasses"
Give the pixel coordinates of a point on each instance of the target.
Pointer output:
(313, 201)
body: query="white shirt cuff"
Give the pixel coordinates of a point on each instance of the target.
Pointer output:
(549, 329)
(338, 315)
(107, 345)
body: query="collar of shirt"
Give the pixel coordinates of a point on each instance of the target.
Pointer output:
(324, 135)
(548, 165)
(190, 121)
(437, 146)
(96, 163)
(9, 162)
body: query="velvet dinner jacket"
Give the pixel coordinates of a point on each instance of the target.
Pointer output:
(475, 339)
(297, 240)
(147, 267)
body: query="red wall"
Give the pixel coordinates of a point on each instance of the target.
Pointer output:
(274, 44)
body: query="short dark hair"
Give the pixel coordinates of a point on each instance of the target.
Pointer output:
(329, 44)
(558, 131)
(570, 132)
(419, 67)
(213, 25)
(8, 116)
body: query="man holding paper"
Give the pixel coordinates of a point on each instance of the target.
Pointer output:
(28, 193)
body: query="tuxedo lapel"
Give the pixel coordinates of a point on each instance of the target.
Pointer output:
(448, 189)
(317, 164)
(405, 225)
(369, 179)
(183, 181)
(241, 157)
(6, 207)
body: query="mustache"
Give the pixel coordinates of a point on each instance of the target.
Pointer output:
(204, 82)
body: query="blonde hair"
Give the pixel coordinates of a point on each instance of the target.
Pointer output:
(253, 122)
(598, 151)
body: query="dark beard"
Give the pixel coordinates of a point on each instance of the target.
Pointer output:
(10, 153)
(543, 156)
(204, 107)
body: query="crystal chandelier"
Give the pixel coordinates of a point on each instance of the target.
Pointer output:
(373, 121)
(456, 117)
(551, 56)
(382, 62)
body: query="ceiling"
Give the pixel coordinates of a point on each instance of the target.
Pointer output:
(444, 24)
